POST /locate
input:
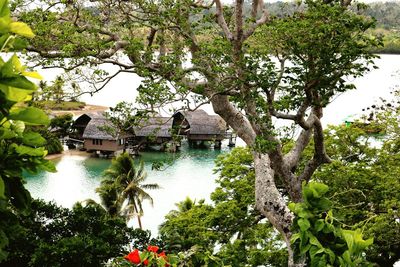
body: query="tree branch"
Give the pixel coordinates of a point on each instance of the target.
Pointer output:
(264, 19)
(235, 119)
(221, 20)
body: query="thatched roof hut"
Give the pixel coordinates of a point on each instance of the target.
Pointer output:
(84, 119)
(100, 135)
(155, 126)
(199, 125)
(81, 123)
(100, 128)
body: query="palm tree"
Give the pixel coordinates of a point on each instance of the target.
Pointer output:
(122, 190)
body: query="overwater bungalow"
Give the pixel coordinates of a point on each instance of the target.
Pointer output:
(198, 126)
(156, 130)
(100, 136)
(79, 125)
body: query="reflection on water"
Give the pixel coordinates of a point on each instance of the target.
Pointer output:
(190, 173)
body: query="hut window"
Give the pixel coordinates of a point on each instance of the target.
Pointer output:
(97, 142)
(121, 142)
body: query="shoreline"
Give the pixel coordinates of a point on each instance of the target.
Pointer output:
(68, 152)
(78, 112)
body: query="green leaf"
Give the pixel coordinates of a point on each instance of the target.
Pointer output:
(331, 254)
(319, 225)
(33, 74)
(21, 29)
(4, 9)
(30, 115)
(347, 258)
(348, 235)
(48, 165)
(19, 82)
(314, 241)
(324, 204)
(292, 206)
(26, 150)
(7, 70)
(19, 44)
(3, 39)
(17, 63)
(6, 133)
(21, 197)
(304, 224)
(33, 139)
(2, 188)
(303, 250)
(318, 189)
(15, 94)
(294, 237)
(315, 251)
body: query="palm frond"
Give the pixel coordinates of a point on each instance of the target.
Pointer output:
(122, 190)
(150, 186)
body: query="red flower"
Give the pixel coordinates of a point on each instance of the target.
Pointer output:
(162, 255)
(152, 249)
(145, 262)
(133, 257)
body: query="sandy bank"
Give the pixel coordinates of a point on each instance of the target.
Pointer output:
(87, 108)
(69, 152)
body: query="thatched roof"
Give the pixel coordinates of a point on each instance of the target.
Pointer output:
(157, 126)
(100, 128)
(202, 123)
(84, 119)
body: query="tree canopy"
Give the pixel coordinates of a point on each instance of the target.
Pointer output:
(252, 68)
(50, 235)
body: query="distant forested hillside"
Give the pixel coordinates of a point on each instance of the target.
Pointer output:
(387, 14)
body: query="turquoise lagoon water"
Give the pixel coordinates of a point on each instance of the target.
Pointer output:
(189, 173)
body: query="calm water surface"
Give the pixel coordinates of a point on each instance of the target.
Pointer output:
(190, 174)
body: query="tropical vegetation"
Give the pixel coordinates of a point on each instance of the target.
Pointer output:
(122, 190)
(20, 149)
(50, 235)
(253, 68)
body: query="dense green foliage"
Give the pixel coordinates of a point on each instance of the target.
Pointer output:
(391, 41)
(61, 125)
(53, 144)
(386, 14)
(231, 223)
(366, 181)
(53, 236)
(320, 237)
(337, 41)
(364, 186)
(122, 190)
(20, 150)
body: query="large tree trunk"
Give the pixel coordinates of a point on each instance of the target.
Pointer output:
(271, 204)
(269, 201)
